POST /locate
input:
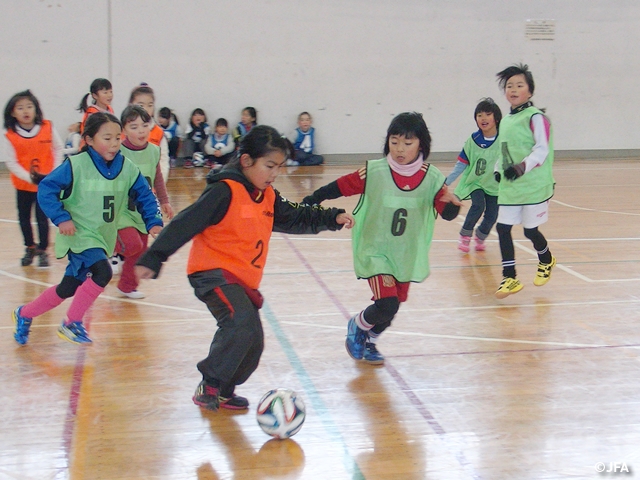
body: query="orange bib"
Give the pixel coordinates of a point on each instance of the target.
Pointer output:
(240, 242)
(32, 153)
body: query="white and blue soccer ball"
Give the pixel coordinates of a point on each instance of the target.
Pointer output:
(281, 413)
(198, 159)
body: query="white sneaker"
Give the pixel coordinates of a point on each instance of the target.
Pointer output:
(134, 294)
(291, 163)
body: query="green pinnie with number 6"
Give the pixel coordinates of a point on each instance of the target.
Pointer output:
(475, 163)
(401, 196)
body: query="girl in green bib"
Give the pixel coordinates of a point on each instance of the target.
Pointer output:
(525, 173)
(84, 197)
(475, 163)
(401, 195)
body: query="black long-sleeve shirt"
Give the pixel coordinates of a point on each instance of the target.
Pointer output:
(212, 206)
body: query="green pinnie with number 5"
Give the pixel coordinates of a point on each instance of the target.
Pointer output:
(401, 196)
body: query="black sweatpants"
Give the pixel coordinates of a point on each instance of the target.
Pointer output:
(239, 341)
(25, 201)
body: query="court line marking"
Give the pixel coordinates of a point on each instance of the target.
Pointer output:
(344, 313)
(580, 276)
(568, 205)
(349, 462)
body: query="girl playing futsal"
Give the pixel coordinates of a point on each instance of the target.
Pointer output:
(101, 92)
(84, 197)
(231, 224)
(33, 149)
(526, 173)
(475, 163)
(132, 231)
(400, 195)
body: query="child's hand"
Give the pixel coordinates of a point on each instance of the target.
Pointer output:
(515, 171)
(346, 219)
(67, 228)
(450, 197)
(167, 210)
(143, 272)
(155, 230)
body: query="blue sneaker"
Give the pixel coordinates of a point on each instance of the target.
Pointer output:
(372, 355)
(23, 324)
(356, 337)
(74, 333)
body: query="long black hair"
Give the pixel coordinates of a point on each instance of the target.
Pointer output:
(9, 121)
(97, 85)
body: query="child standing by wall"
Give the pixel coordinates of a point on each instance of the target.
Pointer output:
(304, 143)
(101, 92)
(525, 170)
(132, 231)
(143, 95)
(33, 149)
(476, 162)
(231, 224)
(84, 197)
(220, 144)
(172, 132)
(248, 120)
(196, 136)
(400, 195)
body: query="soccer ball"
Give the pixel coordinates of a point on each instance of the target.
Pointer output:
(198, 159)
(281, 413)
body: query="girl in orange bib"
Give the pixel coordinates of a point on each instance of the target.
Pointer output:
(231, 224)
(33, 149)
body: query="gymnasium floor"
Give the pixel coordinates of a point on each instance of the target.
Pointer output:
(541, 385)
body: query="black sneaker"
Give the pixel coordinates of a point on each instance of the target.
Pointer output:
(234, 402)
(206, 396)
(43, 258)
(29, 253)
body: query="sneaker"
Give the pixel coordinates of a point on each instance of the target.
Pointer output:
(22, 326)
(508, 286)
(234, 402)
(43, 258)
(463, 243)
(356, 338)
(74, 333)
(544, 272)
(372, 355)
(133, 294)
(292, 163)
(188, 163)
(29, 253)
(480, 246)
(207, 396)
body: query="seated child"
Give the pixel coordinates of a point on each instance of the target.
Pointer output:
(303, 143)
(72, 144)
(220, 145)
(172, 131)
(195, 139)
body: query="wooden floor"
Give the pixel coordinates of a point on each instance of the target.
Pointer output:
(542, 385)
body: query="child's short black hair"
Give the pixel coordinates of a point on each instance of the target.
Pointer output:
(410, 125)
(222, 122)
(487, 105)
(132, 112)
(9, 120)
(517, 69)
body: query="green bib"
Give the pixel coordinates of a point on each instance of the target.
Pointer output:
(147, 161)
(95, 202)
(516, 142)
(479, 173)
(394, 227)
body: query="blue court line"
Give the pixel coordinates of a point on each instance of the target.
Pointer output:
(316, 400)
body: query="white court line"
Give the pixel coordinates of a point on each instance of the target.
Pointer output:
(593, 209)
(314, 325)
(568, 270)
